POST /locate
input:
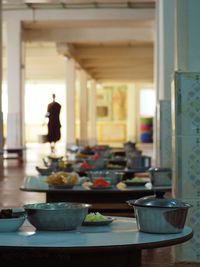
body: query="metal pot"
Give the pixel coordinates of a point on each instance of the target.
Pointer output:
(156, 214)
(160, 176)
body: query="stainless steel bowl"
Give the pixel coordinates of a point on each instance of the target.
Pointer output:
(156, 214)
(56, 216)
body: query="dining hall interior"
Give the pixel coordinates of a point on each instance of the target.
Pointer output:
(126, 74)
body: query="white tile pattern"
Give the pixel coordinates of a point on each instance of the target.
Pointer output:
(186, 156)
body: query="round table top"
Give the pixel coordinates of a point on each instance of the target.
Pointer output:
(122, 233)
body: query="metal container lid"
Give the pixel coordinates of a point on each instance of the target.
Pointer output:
(159, 201)
(159, 169)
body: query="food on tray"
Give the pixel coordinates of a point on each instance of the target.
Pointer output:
(87, 185)
(62, 178)
(85, 165)
(101, 182)
(137, 180)
(121, 186)
(95, 217)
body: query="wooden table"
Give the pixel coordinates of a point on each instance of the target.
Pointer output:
(108, 201)
(119, 244)
(16, 153)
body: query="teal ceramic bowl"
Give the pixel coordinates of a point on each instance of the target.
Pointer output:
(14, 223)
(58, 216)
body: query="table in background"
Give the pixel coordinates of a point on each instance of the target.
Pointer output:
(108, 201)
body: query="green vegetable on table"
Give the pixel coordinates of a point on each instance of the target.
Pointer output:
(95, 217)
(135, 180)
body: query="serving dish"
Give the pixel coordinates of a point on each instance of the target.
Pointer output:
(44, 170)
(11, 219)
(57, 216)
(97, 163)
(62, 180)
(160, 176)
(159, 215)
(136, 181)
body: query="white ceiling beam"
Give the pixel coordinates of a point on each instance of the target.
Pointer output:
(90, 14)
(95, 14)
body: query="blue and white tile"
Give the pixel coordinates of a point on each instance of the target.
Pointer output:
(186, 166)
(185, 104)
(190, 251)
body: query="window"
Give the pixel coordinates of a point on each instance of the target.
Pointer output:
(147, 102)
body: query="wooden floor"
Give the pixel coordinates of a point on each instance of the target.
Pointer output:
(12, 175)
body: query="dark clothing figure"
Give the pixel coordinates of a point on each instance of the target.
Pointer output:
(53, 113)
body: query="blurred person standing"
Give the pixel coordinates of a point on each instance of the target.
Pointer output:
(54, 125)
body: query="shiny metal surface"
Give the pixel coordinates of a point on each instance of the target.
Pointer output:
(159, 214)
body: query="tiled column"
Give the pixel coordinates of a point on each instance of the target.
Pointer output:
(70, 102)
(186, 122)
(83, 108)
(92, 114)
(15, 69)
(164, 58)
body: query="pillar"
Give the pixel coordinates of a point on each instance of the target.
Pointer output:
(83, 108)
(1, 113)
(92, 133)
(70, 102)
(15, 68)
(186, 121)
(164, 58)
(132, 114)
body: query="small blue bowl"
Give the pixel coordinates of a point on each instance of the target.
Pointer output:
(13, 224)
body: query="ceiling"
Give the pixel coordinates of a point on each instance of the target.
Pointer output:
(110, 50)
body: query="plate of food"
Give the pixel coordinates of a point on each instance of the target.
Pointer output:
(136, 181)
(97, 219)
(101, 183)
(62, 180)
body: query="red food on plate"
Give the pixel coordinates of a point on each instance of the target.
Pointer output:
(85, 165)
(101, 182)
